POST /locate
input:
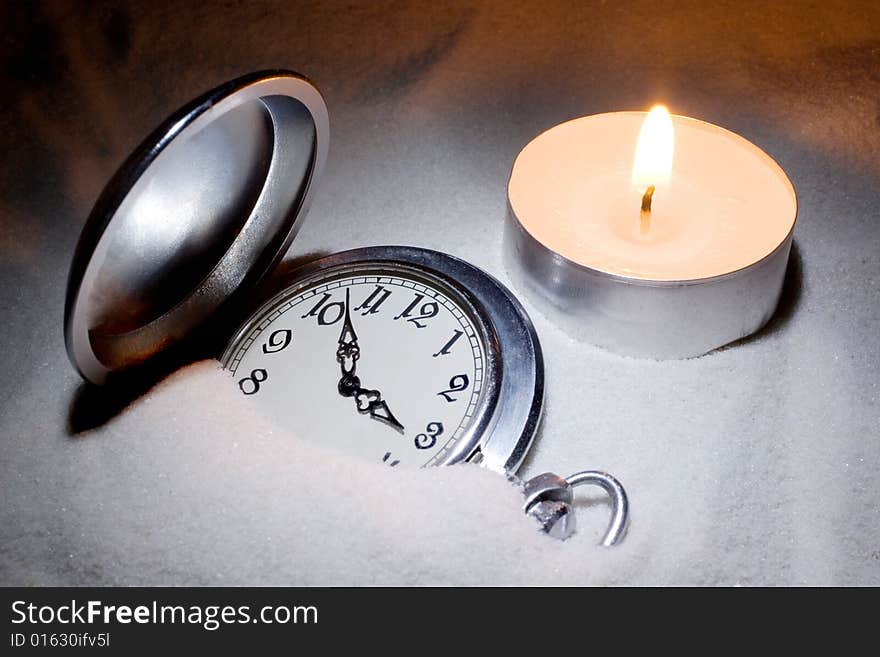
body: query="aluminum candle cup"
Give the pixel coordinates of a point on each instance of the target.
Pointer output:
(703, 266)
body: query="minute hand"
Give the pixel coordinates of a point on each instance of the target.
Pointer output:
(366, 401)
(348, 351)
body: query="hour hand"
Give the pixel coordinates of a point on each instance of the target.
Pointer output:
(368, 401)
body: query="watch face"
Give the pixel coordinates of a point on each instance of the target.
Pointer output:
(388, 363)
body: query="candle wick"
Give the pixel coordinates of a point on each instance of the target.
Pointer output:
(646, 198)
(645, 214)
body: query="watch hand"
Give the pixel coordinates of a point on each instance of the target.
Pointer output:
(370, 401)
(348, 351)
(380, 411)
(366, 400)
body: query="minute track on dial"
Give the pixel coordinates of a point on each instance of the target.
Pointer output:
(367, 401)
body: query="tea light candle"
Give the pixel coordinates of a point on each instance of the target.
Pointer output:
(651, 235)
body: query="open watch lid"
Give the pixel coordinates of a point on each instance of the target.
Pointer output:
(206, 205)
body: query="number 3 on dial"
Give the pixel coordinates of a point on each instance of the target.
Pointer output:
(428, 439)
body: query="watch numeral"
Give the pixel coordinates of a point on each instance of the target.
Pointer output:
(327, 314)
(427, 311)
(456, 384)
(391, 463)
(428, 439)
(445, 350)
(369, 306)
(250, 385)
(277, 341)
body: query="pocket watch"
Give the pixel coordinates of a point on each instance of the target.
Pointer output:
(402, 355)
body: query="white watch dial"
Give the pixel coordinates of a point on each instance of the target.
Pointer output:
(383, 364)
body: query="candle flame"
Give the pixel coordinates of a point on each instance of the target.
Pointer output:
(653, 160)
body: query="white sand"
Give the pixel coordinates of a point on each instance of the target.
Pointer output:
(188, 486)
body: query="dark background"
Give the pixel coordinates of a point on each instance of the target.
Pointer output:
(429, 104)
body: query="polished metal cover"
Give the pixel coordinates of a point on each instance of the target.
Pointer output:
(205, 206)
